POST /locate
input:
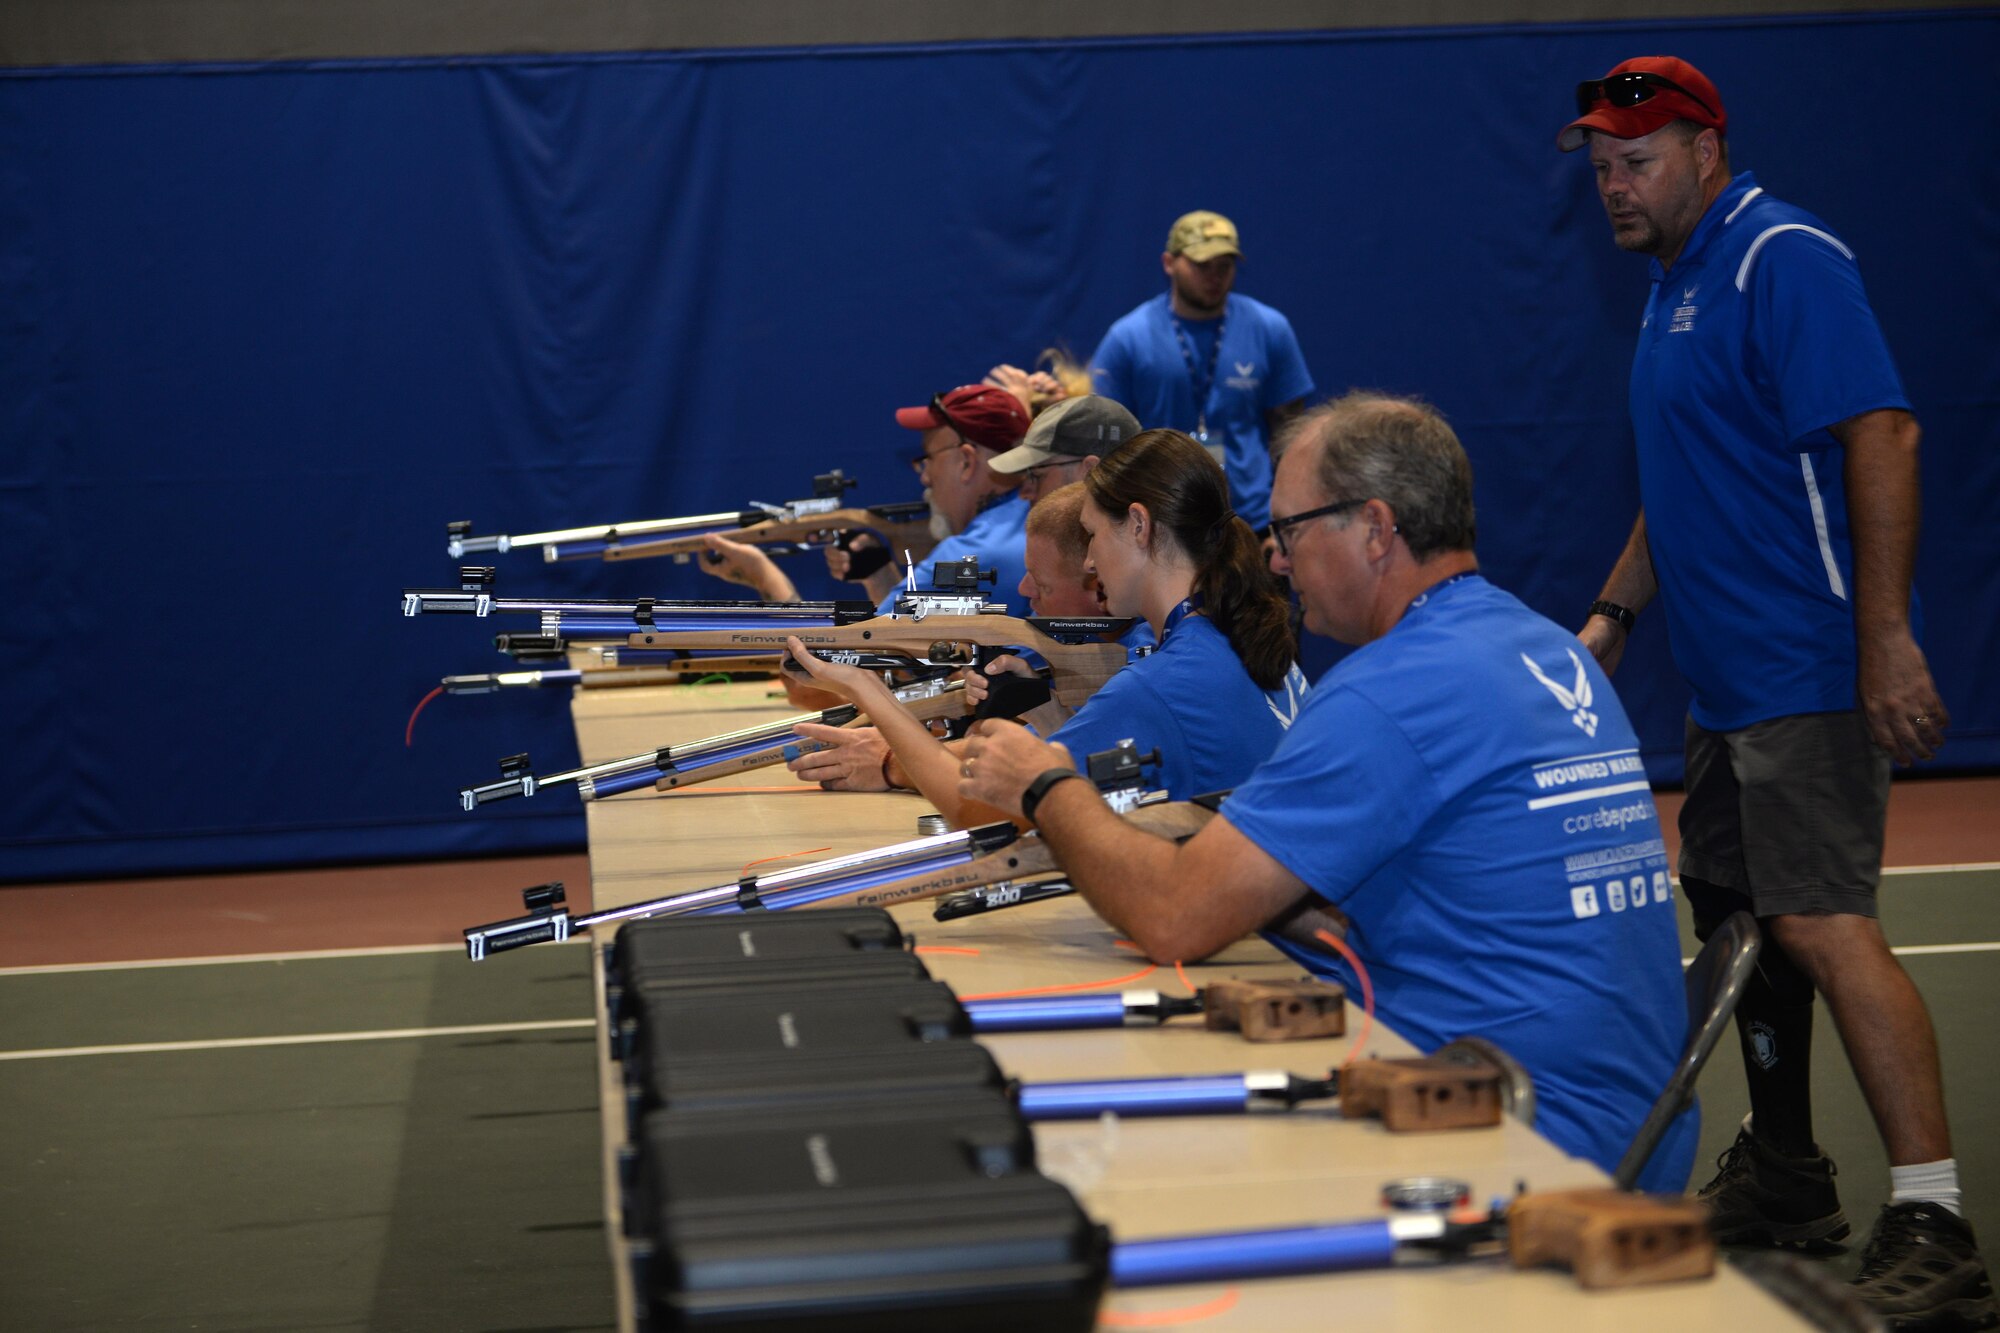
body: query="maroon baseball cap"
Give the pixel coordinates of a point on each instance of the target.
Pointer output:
(1641, 95)
(981, 413)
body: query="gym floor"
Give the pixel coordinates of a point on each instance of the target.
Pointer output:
(288, 1102)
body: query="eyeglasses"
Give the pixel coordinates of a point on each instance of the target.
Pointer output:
(919, 461)
(1630, 89)
(1279, 525)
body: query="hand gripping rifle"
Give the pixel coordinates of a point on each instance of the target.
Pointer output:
(880, 877)
(674, 766)
(817, 521)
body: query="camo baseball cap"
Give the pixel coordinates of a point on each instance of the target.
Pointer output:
(1201, 236)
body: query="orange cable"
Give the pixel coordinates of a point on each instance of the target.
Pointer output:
(785, 857)
(1146, 971)
(944, 948)
(411, 727)
(1367, 991)
(1181, 972)
(1160, 1318)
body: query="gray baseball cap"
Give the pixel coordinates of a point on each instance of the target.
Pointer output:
(1072, 429)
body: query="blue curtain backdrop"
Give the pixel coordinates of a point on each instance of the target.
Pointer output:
(267, 329)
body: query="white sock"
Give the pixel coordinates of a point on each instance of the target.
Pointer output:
(1927, 1182)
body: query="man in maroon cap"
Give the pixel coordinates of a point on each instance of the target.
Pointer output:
(1778, 474)
(975, 511)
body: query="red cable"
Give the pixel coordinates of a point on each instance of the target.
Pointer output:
(1159, 1318)
(407, 730)
(785, 857)
(1147, 971)
(1367, 991)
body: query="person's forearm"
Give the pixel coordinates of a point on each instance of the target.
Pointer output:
(919, 759)
(1125, 874)
(1884, 513)
(774, 585)
(1631, 584)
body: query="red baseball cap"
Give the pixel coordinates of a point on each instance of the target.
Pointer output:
(1640, 96)
(981, 413)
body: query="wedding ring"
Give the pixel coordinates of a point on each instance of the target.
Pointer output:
(1922, 719)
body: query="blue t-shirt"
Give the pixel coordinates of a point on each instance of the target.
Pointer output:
(998, 535)
(1192, 700)
(1258, 369)
(1758, 340)
(1468, 791)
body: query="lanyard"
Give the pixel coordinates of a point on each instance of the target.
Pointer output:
(1202, 385)
(1175, 617)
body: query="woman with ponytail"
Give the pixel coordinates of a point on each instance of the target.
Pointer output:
(1220, 690)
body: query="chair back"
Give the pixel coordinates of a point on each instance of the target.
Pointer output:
(1715, 981)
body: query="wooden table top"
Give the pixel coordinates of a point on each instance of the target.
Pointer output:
(1142, 1177)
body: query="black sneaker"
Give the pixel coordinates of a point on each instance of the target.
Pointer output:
(1760, 1197)
(1922, 1270)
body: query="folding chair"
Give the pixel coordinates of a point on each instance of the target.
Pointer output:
(1715, 982)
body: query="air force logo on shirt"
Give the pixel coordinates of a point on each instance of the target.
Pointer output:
(1685, 312)
(1245, 377)
(1576, 698)
(1295, 688)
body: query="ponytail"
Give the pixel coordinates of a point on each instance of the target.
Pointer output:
(1188, 495)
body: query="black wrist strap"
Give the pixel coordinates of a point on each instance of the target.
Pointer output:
(1623, 615)
(1039, 788)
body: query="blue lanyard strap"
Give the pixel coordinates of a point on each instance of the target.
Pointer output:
(1187, 608)
(1202, 385)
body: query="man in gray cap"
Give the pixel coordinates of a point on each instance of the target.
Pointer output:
(1065, 443)
(1199, 358)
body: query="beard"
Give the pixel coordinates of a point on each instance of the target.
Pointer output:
(1197, 301)
(1639, 235)
(940, 524)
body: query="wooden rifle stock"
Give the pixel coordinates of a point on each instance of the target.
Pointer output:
(1080, 669)
(619, 677)
(896, 533)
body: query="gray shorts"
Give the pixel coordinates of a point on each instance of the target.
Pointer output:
(1789, 813)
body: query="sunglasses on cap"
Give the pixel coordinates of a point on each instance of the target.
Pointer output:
(1630, 89)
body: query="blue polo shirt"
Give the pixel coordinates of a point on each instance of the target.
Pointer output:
(1258, 368)
(1757, 341)
(1192, 700)
(998, 535)
(1468, 791)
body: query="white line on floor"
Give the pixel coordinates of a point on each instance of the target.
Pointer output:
(304, 955)
(305, 1039)
(1984, 946)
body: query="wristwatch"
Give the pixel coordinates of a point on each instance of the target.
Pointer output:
(1622, 614)
(1040, 788)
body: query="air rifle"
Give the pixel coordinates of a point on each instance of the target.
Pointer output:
(671, 669)
(674, 766)
(880, 877)
(951, 625)
(811, 522)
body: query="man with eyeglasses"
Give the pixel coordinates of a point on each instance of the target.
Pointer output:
(1201, 359)
(975, 511)
(1779, 480)
(1464, 790)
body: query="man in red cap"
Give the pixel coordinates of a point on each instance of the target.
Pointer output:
(1778, 474)
(975, 511)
